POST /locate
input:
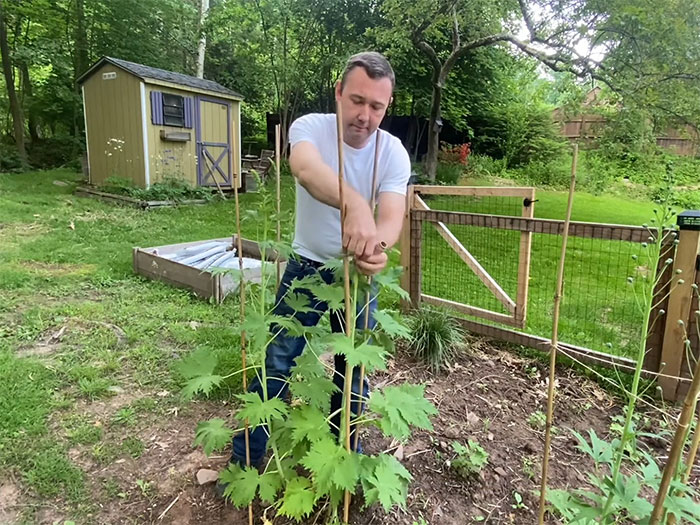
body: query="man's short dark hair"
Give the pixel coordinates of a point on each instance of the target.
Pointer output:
(375, 65)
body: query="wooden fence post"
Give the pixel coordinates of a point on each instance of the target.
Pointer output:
(679, 302)
(528, 211)
(405, 247)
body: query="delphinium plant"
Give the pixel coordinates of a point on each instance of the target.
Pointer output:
(624, 474)
(308, 463)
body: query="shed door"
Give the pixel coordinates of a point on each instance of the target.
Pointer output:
(213, 131)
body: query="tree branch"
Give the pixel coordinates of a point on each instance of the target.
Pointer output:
(455, 29)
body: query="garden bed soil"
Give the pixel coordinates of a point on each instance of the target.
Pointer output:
(487, 396)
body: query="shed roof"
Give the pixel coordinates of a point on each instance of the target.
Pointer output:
(154, 73)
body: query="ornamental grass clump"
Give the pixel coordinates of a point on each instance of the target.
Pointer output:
(436, 338)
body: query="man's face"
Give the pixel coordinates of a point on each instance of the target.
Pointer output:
(364, 102)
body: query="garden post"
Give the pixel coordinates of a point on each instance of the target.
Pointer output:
(679, 302)
(405, 247)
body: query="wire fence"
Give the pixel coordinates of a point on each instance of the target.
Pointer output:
(598, 310)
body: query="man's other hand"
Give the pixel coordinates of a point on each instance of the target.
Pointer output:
(360, 231)
(372, 264)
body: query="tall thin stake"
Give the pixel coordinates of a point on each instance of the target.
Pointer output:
(555, 341)
(278, 131)
(679, 439)
(347, 391)
(368, 298)
(241, 288)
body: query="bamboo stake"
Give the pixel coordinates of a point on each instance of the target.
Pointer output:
(677, 446)
(277, 173)
(347, 391)
(555, 340)
(693, 451)
(368, 299)
(241, 288)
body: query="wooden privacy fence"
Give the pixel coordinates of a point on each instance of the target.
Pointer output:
(479, 252)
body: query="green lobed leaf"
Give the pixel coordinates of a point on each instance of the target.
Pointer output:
(212, 435)
(401, 407)
(387, 482)
(308, 422)
(257, 411)
(298, 302)
(241, 484)
(201, 384)
(372, 356)
(299, 499)
(257, 329)
(391, 325)
(201, 362)
(389, 279)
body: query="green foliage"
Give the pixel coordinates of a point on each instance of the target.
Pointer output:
(169, 189)
(448, 173)
(628, 493)
(300, 433)
(212, 435)
(401, 407)
(470, 460)
(435, 337)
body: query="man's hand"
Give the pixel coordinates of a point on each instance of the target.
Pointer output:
(359, 231)
(372, 264)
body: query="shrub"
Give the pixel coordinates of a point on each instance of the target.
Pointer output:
(435, 337)
(55, 152)
(10, 161)
(169, 189)
(448, 173)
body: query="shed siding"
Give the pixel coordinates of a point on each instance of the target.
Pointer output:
(170, 159)
(113, 113)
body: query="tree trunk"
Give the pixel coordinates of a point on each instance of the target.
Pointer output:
(202, 47)
(15, 108)
(434, 125)
(28, 103)
(81, 62)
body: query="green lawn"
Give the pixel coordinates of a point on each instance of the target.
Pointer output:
(65, 271)
(65, 261)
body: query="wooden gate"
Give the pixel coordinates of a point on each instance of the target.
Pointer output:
(516, 307)
(214, 159)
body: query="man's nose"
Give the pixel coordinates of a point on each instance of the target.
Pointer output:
(364, 114)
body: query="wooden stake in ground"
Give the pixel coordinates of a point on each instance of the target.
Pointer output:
(368, 298)
(349, 314)
(241, 288)
(278, 131)
(555, 341)
(679, 438)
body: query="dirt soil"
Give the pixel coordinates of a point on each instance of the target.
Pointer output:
(488, 397)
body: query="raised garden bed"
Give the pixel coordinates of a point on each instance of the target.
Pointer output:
(155, 263)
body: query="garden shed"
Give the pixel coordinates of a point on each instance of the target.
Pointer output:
(146, 124)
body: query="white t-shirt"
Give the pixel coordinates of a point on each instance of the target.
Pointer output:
(317, 233)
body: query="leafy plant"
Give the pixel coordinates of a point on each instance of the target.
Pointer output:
(470, 459)
(169, 189)
(537, 420)
(619, 495)
(435, 337)
(308, 464)
(518, 501)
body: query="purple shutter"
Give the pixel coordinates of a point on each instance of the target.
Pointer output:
(157, 108)
(188, 112)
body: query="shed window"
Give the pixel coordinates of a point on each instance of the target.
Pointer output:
(173, 110)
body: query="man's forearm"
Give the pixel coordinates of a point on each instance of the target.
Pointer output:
(323, 186)
(389, 231)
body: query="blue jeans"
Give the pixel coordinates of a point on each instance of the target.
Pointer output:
(284, 349)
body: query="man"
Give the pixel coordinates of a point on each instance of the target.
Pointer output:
(364, 94)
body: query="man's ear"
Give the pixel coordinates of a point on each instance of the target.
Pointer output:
(338, 90)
